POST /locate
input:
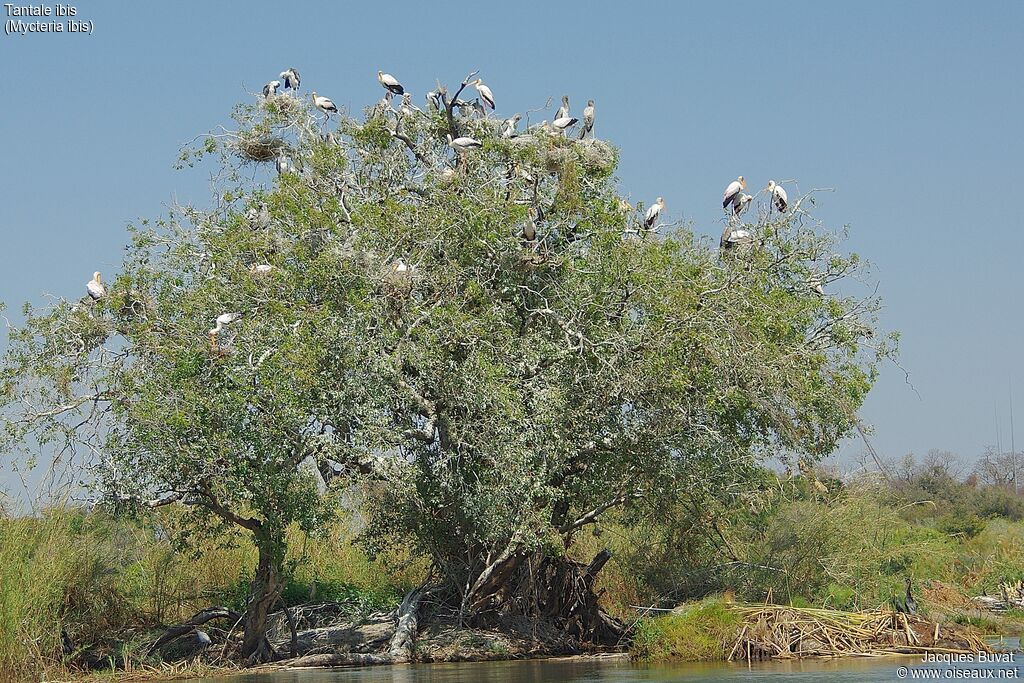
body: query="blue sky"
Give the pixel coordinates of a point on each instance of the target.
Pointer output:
(911, 110)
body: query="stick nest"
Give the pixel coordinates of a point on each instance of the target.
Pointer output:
(779, 632)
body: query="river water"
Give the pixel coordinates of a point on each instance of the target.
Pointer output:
(620, 670)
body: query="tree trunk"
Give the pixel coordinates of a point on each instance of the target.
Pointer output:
(263, 594)
(555, 589)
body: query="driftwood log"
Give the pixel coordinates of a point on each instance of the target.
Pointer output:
(191, 625)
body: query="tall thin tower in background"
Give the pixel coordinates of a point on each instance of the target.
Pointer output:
(1013, 445)
(999, 439)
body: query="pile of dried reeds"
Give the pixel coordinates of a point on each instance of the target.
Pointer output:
(780, 632)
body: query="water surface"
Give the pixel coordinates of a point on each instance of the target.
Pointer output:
(621, 670)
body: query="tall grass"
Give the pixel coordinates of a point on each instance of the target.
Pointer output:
(68, 577)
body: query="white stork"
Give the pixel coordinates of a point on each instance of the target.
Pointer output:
(651, 217)
(262, 269)
(732, 192)
(464, 143)
(563, 124)
(563, 111)
(290, 78)
(270, 89)
(390, 83)
(779, 197)
(222, 320)
(95, 287)
(485, 93)
(588, 120)
(324, 104)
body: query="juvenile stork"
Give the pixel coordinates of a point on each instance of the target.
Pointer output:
(779, 197)
(732, 193)
(741, 203)
(509, 127)
(324, 104)
(95, 287)
(270, 89)
(588, 120)
(651, 217)
(390, 83)
(290, 78)
(563, 111)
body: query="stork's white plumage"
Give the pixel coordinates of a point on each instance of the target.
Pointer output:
(735, 237)
(563, 111)
(324, 104)
(461, 144)
(290, 78)
(509, 129)
(270, 89)
(485, 93)
(563, 124)
(262, 269)
(651, 217)
(390, 83)
(779, 197)
(732, 192)
(588, 120)
(95, 287)
(224, 319)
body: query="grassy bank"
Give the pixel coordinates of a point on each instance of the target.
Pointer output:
(71, 580)
(698, 632)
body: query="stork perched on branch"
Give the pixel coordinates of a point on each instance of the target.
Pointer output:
(485, 93)
(324, 104)
(464, 143)
(390, 83)
(732, 192)
(779, 198)
(651, 217)
(95, 287)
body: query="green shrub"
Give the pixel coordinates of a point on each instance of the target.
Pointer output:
(700, 632)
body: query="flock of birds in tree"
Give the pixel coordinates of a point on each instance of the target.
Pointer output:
(734, 200)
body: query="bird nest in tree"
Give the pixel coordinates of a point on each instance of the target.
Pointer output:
(596, 156)
(780, 632)
(259, 148)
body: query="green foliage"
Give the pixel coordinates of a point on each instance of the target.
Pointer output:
(700, 632)
(849, 549)
(99, 579)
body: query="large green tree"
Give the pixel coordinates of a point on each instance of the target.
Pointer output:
(488, 340)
